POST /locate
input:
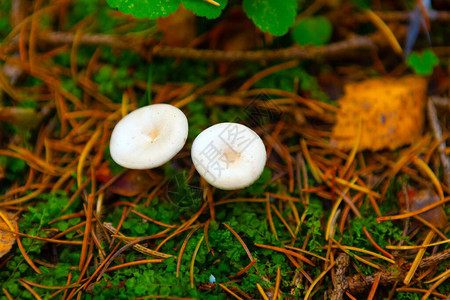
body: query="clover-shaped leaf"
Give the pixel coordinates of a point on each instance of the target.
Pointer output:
(423, 64)
(273, 16)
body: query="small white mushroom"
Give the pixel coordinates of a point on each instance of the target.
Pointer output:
(149, 136)
(229, 155)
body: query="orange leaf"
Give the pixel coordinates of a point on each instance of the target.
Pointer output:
(7, 239)
(391, 111)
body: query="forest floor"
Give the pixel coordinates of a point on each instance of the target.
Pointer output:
(352, 202)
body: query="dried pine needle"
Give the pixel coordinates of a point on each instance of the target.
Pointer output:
(212, 2)
(414, 213)
(240, 241)
(321, 275)
(443, 274)
(418, 258)
(261, 291)
(277, 284)
(191, 273)
(230, 292)
(392, 247)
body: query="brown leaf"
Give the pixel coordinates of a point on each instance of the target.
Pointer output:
(132, 183)
(419, 199)
(7, 239)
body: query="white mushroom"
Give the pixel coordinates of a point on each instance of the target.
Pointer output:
(149, 136)
(229, 155)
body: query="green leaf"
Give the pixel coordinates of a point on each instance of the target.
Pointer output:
(204, 9)
(151, 9)
(315, 30)
(273, 16)
(422, 64)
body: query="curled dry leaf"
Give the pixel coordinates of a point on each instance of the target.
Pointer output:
(391, 113)
(7, 239)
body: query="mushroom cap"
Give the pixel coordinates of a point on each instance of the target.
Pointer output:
(229, 155)
(149, 136)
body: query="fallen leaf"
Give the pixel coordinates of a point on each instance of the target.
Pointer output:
(419, 199)
(391, 113)
(7, 239)
(103, 173)
(179, 28)
(132, 183)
